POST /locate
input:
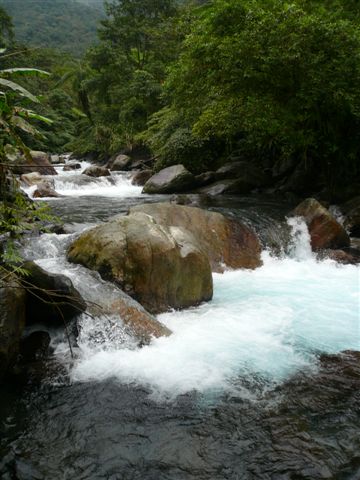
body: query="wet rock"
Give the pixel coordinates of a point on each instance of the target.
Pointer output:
(172, 179)
(120, 163)
(45, 190)
(351, 210)
(71, 166)
(12, 319)
(140, 322)
(141, 177)
(351, 257)
(52, 299)
(225, 241)
(161, 267)
(141, 163)
(96, 171)
(45, 185)
(325, 231)
(35, 346)
(39, 162)
(205, 178)
(32, 178)
(226, 187)
(235, 178)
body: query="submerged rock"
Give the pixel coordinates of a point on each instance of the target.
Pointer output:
(96, 171)
(226, 242)
(12, 319)
(325, 231)
(172, 179)
(161, 267)
(52, 298)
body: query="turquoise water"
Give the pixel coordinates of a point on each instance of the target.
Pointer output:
(263, 324)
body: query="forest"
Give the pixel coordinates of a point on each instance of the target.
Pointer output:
(196, 83)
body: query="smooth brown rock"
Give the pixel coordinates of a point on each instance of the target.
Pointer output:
(226, 242)
(325, 231)
(161, 267)
(96, 171)
(140, 322)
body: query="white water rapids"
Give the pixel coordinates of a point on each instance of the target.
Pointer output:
(264, 324)
(73, 183)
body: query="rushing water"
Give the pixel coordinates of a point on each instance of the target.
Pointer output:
(251, 385)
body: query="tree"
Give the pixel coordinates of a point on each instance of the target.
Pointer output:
(126, 71)
(276, 80)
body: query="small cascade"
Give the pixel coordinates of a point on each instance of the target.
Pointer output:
(74, 184)
(300, 244)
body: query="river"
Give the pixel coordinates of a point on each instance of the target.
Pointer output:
(252, 385)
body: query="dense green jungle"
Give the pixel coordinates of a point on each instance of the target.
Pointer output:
(271, 83)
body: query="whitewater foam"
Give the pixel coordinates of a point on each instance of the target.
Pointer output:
(267, 323)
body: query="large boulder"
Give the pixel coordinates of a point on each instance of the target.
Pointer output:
(96, 171)
(325, 231)
(52, 298)
(39, 162)
(172, 179)
(161, 267)
(12, 319)
(120, 163)
(226, 242)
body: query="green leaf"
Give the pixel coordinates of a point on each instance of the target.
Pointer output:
(24, 71)
(19, 122)
(17, 88)
(25, 113)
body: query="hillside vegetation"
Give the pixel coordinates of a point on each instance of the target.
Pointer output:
(68, 25)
